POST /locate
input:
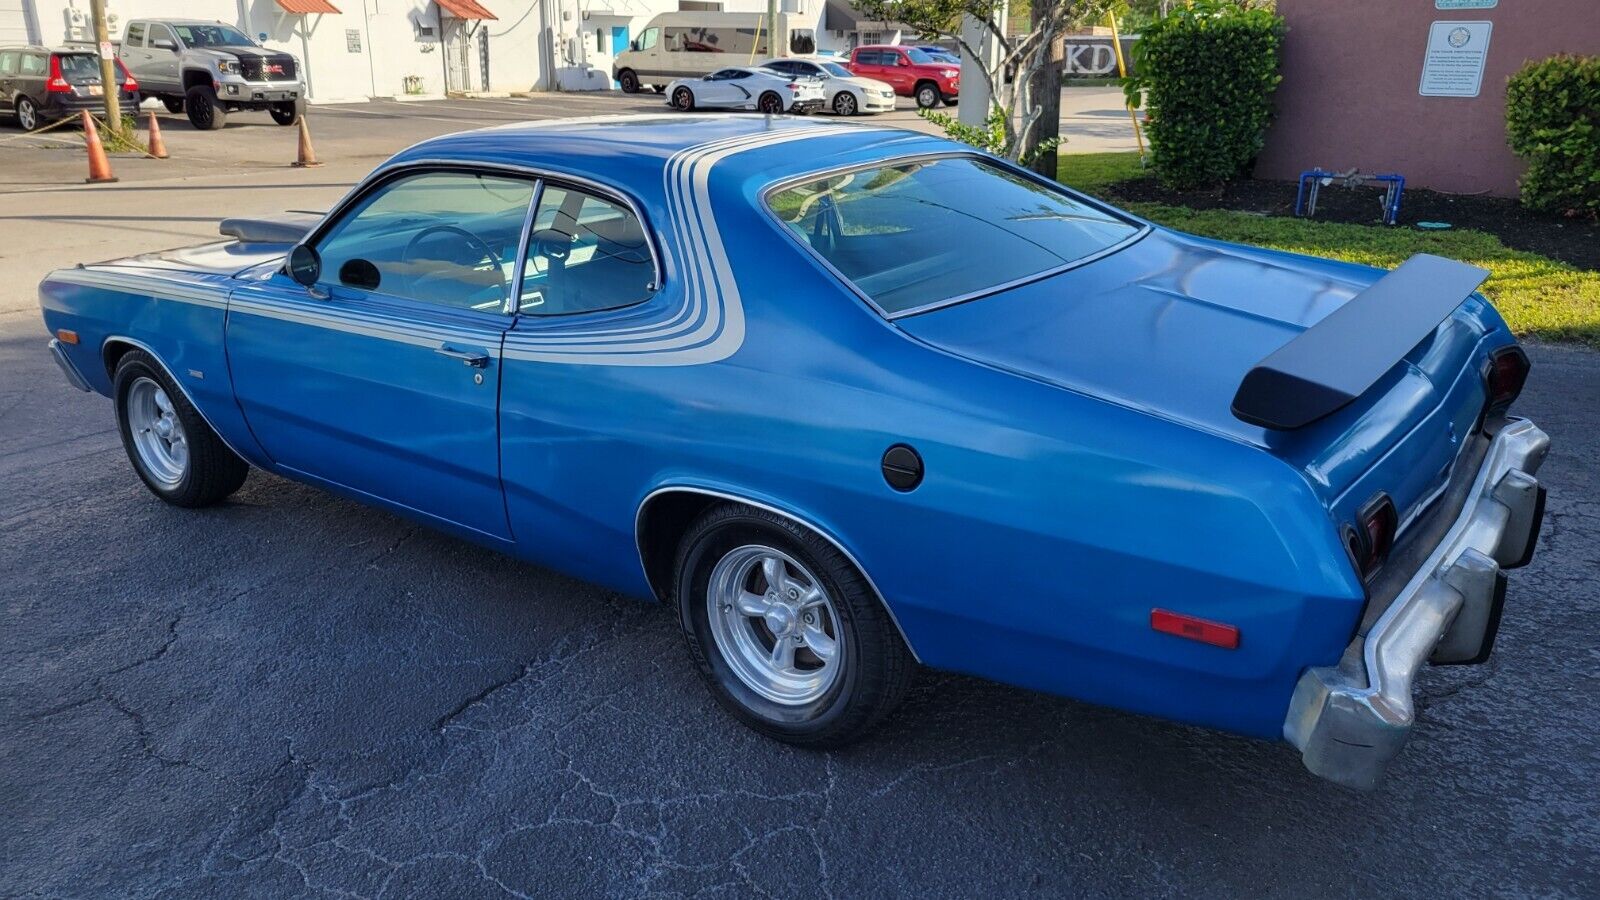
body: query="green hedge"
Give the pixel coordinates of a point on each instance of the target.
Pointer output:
(1206, 73)
(1553, 122)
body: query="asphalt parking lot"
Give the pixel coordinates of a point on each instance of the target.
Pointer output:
(294, 695)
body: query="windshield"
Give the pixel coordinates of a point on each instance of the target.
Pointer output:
(920, 58)
(212, 36)
(835, 69)
(924, 232)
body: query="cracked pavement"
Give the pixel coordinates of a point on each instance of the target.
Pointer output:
(294, 695)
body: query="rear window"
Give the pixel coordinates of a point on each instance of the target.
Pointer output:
(79, 65)
(926, 232)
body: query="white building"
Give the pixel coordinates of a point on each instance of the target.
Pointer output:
(358, 49)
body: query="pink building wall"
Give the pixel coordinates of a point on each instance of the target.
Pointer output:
(1351, 70)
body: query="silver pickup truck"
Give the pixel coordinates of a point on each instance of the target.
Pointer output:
(209, 69)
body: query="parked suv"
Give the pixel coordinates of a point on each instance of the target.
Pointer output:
(911, 72)
(209, 69)
(39, 85)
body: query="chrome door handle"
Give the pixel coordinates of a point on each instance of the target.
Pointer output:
(474, 358)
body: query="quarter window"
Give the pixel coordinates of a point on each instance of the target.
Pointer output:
(448, 238)
(586, 253)
(33, 64)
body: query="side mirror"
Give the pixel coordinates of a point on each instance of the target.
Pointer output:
(903, 61)
(305, 265)
(634, 46)
(164, 44)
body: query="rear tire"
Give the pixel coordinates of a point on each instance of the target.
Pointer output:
(927, 95)
(288, 112)
(683, 99)
(175, 453)
(771, 671)
(770, 103)
(174, 105)
(629, 81)
(27, 114)
(205, 112)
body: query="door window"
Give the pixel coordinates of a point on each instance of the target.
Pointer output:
(448, 238)
(586, 253)
(162, 32)
(135, 36)
(647, 41)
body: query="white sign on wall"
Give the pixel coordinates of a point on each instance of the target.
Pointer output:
(1453, 65)
(1465, 4)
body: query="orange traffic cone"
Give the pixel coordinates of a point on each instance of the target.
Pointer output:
(158, 149)
(99, 164)
(308, 156)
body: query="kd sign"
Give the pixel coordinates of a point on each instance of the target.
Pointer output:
(1092, 56)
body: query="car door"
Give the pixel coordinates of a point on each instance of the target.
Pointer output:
(724, 88)
(132, 51)
(898, 67)
(162, 58)
(384, 378)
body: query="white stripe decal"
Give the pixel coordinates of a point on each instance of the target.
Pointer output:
(709, 326)
(151, 285)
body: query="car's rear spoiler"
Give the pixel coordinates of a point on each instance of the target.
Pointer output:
(1335, 361)
(284, 228)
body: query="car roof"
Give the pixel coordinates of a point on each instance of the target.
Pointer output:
(40, 48)
(631, 152)
(170, 21)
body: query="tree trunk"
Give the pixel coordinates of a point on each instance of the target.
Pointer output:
(1046, 91)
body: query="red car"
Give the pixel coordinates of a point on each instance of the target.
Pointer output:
(911, 72)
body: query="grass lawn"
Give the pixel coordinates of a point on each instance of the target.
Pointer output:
(1540, 297)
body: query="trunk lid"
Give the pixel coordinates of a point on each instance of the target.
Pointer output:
(1171, 324)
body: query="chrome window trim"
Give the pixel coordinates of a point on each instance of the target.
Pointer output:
(141, 345)
(513, 302)
(638, 543)
(1141, 229)
(384, 174)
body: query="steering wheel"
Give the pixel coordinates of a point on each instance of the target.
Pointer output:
(469, 237)
(485, 293)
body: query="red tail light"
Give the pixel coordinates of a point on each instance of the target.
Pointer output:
(794, 87)
(129, 83)
(1506, 374)
(56, 84)
(1370, 540)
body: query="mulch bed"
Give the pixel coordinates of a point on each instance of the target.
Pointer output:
(1573, 241)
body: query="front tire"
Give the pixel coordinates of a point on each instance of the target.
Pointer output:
(173, 450)
(844, 104)
(174, 105)
(927, 95)
(288, 112)
(770, 103)
(629, 81)
(683, 99)
(205, 113)
(788, 634)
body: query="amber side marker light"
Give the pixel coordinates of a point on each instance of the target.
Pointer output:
(1205, 631)
(66, 336)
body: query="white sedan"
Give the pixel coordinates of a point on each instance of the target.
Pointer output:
(847, 94)
(747, 88)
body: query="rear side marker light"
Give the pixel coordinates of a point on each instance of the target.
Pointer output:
(1205, 631)
(1370, 540)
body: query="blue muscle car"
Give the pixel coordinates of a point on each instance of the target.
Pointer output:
(855, 399)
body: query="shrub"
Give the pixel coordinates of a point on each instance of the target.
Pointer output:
(1553, 122)
(1206, 72)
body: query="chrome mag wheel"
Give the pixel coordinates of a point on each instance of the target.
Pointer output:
(774, 624)
(158, 435)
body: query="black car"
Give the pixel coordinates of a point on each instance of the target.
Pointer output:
(39, 85)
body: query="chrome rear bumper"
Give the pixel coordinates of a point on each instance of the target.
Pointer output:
(1350, 720)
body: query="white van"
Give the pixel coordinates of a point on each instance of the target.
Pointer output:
(690, 44)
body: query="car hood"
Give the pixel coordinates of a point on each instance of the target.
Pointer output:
(862, 82)
(1169, 324)
(229, 258)
(232, 53)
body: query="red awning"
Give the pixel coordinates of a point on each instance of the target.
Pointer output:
(308, 7)
(467, 9)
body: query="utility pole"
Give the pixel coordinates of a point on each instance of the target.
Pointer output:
(773, 49)
(108, 69)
